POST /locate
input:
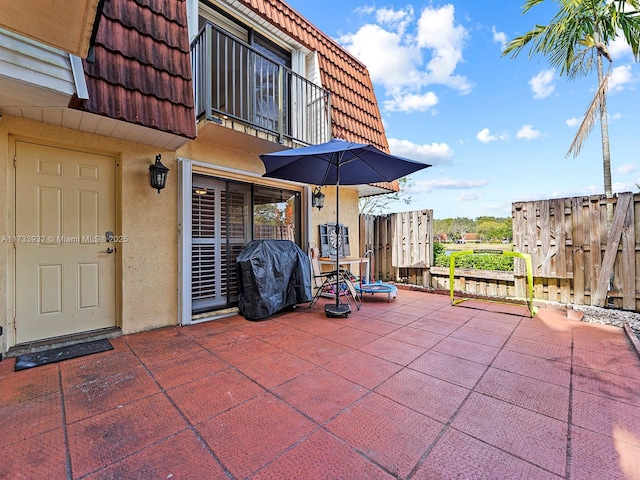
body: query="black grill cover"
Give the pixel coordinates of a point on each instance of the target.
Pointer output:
(272, 275)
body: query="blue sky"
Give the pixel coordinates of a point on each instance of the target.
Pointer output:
(495, 129)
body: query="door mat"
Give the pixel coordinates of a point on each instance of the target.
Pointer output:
(30, 360)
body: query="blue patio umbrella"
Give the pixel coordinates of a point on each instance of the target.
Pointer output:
(338, 162)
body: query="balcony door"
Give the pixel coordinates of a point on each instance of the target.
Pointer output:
(271, 91)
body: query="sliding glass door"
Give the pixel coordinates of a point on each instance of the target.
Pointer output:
(225, 216)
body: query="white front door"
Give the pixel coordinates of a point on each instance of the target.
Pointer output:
(65, 280)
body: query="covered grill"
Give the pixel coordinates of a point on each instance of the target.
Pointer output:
(272, 275)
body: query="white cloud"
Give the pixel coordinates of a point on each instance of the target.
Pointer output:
(396, 19)
(573, 122)
(542, 84)
(619, 48)
(527, 132)
(468, 197)
(620, 78)
(437, 31)
(485, 136)
(365, 10)
(626, 168)
(390, 62)
(434, 154)
(406, 55)
(499, 37)
(426, 186)
(411, 102)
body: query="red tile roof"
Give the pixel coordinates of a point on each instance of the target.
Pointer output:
(141, 72)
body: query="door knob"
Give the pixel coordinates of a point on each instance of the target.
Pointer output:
(109, 250)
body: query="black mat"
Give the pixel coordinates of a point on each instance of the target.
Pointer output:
(30, 360)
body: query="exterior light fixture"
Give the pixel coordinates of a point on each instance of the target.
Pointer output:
(317, 198)
(200, 191)
(158, 174)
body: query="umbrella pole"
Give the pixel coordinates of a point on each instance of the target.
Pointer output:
(339, 310)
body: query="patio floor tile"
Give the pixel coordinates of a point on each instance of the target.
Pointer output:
(540, 349)
(180, 456)
(24, 417)
(415, 336)
(389, 434)
(247, 437)
(351, 337)
(615, 361)
(430, 396)
(536, 438)
(362, 368)
(606, 416)
(543, 334)
(458, 371)
(242, 348)
(211, 395)
(321, 456)
(435, 326)
(457, 318)
(187, 368)
(393, 350)
(541, 397)
(595, 456)
(105, 393)
(492, 325)
(608, 385)
(558, 373)
(109, 437)
(457, 455)
(24, 385)
(374, 325)
(468, 350)
(318, 350)
(38, 456)
(274, 368)
(320, 394)
(88, 369)
(482, 336)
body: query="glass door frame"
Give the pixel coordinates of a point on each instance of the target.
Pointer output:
(185, 185)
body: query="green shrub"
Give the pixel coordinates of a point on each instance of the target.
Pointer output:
(481, 261)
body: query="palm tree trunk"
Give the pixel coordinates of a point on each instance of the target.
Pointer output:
(606, 153)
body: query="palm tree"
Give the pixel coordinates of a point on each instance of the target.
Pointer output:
(575, 41)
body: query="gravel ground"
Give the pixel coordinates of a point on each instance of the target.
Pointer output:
(610, 316)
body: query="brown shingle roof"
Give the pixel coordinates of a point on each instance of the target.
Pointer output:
(141, 71)
(355, 114)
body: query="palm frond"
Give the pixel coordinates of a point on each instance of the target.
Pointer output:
(590, 117)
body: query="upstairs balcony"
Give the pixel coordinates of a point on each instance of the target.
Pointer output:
(240, 91)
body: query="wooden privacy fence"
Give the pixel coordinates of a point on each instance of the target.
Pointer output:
(401, 243)
(575, 260)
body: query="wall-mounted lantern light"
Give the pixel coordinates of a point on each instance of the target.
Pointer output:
(317, 199)
(158, 174)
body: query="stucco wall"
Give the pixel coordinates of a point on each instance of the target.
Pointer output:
(148, 262)
(349, 215)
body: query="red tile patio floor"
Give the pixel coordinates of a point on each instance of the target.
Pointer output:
(413, 389)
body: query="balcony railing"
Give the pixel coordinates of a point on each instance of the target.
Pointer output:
(234, 81)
